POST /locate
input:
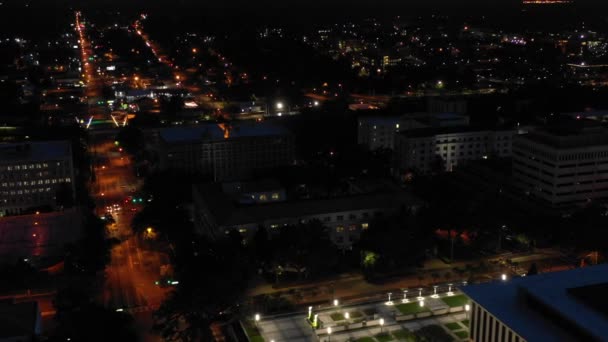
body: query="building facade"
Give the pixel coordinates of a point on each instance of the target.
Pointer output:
(442, 149)
(226, 153)
(379, 132)
(32, 173)
(557, 306)
(216, 213)
(562, 169)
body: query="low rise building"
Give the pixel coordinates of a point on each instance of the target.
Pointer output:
(560, 306)
(217, 213)
(39, 235)
(20, 322)
(32, 173)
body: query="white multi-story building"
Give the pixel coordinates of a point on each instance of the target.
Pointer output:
(562, 168)
(377, 132)
(558, 306)
(434, 149)
(31, 173)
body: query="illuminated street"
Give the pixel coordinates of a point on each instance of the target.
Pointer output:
(134, 269)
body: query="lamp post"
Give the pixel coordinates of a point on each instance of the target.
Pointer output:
(389, 302)
(467, 308)
(336, 302)
(309, 312)
(405, 300)
(257, 319)
(422, 303)
(381, 324)
(434, 291)
(346, 315)
(329, 333)
(503, 277)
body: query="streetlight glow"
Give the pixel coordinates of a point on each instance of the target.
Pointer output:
(467, 307)
(335, 302)
(257, 317)
(503, 277)
(421, 303)
(346, 315)
(280, 105)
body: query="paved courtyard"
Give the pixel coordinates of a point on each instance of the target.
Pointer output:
(346, 322)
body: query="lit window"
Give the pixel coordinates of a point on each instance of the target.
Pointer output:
(339, 229)
(275, 196)
(263, 198)
(364, 225)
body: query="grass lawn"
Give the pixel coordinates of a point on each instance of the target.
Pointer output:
(411, 308)
(337, 316)
(404, 335)
(370, 311)
(356, 314)
(465, 323)
(253, 332)
(384, 337)
(453, 301)
(365, 339)
(453, 326)
(461, 334)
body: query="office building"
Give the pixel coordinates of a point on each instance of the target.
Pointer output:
(378, 132)
(31, 173)
(217, 213)
(226, 152)
(560, 306)
(563, 167)
(442, 149)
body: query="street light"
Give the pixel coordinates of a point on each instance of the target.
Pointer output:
(280, 105)
(257, 319)
(329, 333)
(503, 277)
(389, 302)
(346, 315)
(381, 324)
(336, 302)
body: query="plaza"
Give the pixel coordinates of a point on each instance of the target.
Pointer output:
(442, 317)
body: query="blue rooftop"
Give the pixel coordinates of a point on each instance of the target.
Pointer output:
(522, 303)
(213, 132)
(35, 151)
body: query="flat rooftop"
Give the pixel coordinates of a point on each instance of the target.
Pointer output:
(227, 213)
(213, 132)
(35, 151)
(433, 131)
(569, 137)
(555, 306)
